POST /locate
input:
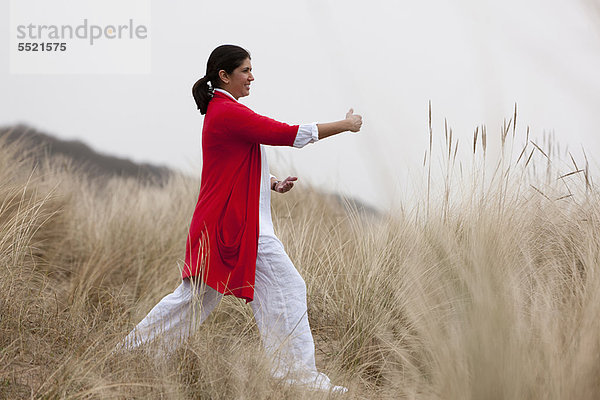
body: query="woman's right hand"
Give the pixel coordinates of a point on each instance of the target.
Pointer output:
(354, 121)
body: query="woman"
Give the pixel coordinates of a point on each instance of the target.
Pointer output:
(231, 244)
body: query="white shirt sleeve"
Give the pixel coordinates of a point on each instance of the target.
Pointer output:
(307, 133)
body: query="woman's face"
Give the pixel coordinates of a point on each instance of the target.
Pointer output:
(238, 82)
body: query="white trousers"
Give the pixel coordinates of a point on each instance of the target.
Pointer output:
(279, 308)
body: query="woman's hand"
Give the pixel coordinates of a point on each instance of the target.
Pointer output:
(354, 121)
(285, 185)
(351, 123)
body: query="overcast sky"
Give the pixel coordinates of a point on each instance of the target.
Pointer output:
(312, 60)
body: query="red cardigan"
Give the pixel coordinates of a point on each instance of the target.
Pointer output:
(223, 236)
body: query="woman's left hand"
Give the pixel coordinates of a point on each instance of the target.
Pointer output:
(286, 185)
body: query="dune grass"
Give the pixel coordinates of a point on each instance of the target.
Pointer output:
(488, 288)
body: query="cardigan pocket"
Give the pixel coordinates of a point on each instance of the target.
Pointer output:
(230, 231)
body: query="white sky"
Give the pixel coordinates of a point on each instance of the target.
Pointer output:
(313, 60)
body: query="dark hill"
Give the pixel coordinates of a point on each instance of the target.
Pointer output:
(84, 157)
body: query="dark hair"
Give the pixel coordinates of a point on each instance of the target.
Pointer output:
(226, 57)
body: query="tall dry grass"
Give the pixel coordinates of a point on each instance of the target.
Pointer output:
(487, 289)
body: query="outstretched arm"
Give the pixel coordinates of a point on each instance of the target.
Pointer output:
(352, 123)
(252, 127)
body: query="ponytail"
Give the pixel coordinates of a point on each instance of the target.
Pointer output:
(202, 94)
(226, 57)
